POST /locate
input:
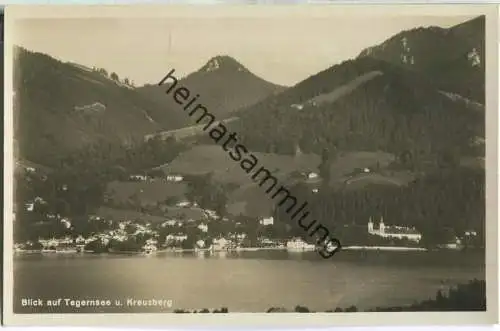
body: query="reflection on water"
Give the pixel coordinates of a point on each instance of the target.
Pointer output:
(241, 281)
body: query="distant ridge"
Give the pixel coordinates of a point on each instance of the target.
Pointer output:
(224, 86)
(428, 109)
(453, 58)
(60, 107)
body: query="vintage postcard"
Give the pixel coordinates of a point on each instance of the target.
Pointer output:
(216, 165)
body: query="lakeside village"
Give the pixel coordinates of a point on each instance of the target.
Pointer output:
(203, 230)
(195, 235)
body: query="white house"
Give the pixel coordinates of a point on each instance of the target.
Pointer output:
(67, 224)
(236, 236)
(179, 237)
(297, 244)
(175, 178)
(169, 223)
(471, 233)
(123, 225)
(49, 242)
(183, 203)
(139, 177)
(210, 213)
(267, 221)
(30, 169)
(297, 106)
(152, 241)
(148, 247)
(203, 227)
(241, 236)
(80, 240)
(220, 244)
(398, 232)
(200, 243)
(267, 242)
(53, 242)
(40, 200)
(312, 175)
(120, 237)
(30, 206)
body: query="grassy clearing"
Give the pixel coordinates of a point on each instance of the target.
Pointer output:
(147, 192)
(129, 214)
(187, 132)
(249, 198)
(123, 215)
(398, 178)
(347, 162)
(212, 158)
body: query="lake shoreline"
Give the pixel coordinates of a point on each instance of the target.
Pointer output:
(242, 249)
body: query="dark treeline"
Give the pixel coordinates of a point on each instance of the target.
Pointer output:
(208, 193)
(464, 297)
(395, 112)
(46, 123)
(75, 184)
(441, 205)
(108, 157)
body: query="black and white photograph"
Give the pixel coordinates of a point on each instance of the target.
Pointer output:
(329, 161)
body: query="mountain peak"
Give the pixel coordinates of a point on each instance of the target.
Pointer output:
(222, 62)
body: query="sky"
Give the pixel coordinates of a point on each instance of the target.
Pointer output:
(283, 50)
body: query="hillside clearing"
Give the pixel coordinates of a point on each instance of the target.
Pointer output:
(129, 214)
(399, 178)
(212, 158)
(186, 132)
(250, 199)
(345, 89)
(147, 192)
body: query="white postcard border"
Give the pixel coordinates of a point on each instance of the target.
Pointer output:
(263, 319)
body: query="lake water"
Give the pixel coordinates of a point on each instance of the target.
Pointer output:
(242, 282)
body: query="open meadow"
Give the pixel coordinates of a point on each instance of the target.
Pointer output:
(247, 197)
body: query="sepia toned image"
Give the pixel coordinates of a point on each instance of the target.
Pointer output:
(333, 163)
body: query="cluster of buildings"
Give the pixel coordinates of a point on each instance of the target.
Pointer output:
(175, 238)
(122, 231)
(398, 232)
(411, 234)
(178, 233)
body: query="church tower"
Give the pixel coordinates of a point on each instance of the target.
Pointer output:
(382, 225)
(370, 225)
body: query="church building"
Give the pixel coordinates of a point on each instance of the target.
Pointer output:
(398, 232)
